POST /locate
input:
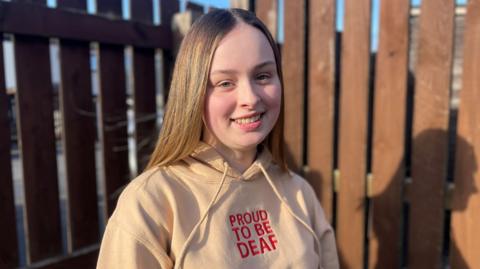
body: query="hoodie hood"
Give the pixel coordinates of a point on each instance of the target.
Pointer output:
(206, 161)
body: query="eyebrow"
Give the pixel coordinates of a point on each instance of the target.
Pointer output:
(229, 71)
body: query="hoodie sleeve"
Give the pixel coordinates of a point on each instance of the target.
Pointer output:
(137, 234)
(120, 249)
(323, 229)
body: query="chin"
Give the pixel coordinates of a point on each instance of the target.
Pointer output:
(250, 143)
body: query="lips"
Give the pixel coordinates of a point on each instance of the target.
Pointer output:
(248, 119)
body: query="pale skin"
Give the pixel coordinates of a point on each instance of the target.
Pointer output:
(243, 98)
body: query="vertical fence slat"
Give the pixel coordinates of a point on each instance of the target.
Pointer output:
(38, 150)
(267, 11)
(465, 236)
(389, 135)
(353, 131)
(321, 92)
(113, 113)
(430, 135)
(8, 231)
(79, 141)
(293, 61)
(167, 9)
(79, 135)
(144, 89)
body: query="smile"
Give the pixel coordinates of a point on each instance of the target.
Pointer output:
(247, 120)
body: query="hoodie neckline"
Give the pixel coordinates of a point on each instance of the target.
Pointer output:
(207, 161)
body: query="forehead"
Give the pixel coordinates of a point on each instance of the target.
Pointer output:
(242, 48)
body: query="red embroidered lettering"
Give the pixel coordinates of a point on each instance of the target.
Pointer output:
(253, 247)
(243, 249)
(273, 241)
(247, 218)
(232, 220)
(264, 245)
(246, 232)
(263, 214)
(266, 227)
(253, 233)
(255, 214)
(259, 229)
(235, 229)
(239, 219)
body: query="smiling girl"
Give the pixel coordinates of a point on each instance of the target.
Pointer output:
(217, 192)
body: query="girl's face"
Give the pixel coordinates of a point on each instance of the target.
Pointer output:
(243, 97)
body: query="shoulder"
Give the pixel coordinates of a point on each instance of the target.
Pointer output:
(299, 183)
(146, 200)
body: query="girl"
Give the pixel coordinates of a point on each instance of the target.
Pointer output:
(217, 192)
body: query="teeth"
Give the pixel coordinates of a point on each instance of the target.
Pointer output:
(247, 120)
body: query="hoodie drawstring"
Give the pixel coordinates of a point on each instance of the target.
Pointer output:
(289, 209)
(178, 264)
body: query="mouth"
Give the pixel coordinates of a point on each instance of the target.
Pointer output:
(248, 119)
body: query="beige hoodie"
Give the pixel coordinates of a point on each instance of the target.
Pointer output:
(200, 213)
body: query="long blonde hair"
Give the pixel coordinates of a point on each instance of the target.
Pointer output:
(182, 126)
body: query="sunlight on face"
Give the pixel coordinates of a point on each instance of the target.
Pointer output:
(243, 98)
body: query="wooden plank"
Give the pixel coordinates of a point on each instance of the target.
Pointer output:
(8, 231)
(79, 135)
(465, 236)
(110, 8)
(294, 82)
(267, 11)
(144, 91)
(81, 259)
(37, 144)
(389, 135)
(353, 132)
(113, 109)
(167, 9)
(72, 4)
(430, 135)
(28, 19)
(321, 93)
(142, 10)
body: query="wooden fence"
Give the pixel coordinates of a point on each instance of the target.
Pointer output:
(32, 26)
(393, 163)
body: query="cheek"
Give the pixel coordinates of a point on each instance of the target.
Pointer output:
(217, 110)
(273, 97)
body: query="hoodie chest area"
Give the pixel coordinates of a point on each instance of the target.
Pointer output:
(249, 228)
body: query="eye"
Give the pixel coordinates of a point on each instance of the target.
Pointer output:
(225, 84)
(263, 77)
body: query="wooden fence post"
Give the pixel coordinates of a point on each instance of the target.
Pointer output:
(465, 236)
(353, 132)
(168, 8)
(113, 112)
(78, 135)
(8, 231)
(267, 11)
(293, 61)
(430, 135)
(321, 94)
(389, 136)
(37, 144)
(144, 89)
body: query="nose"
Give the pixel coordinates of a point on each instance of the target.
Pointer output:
(248, 95)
